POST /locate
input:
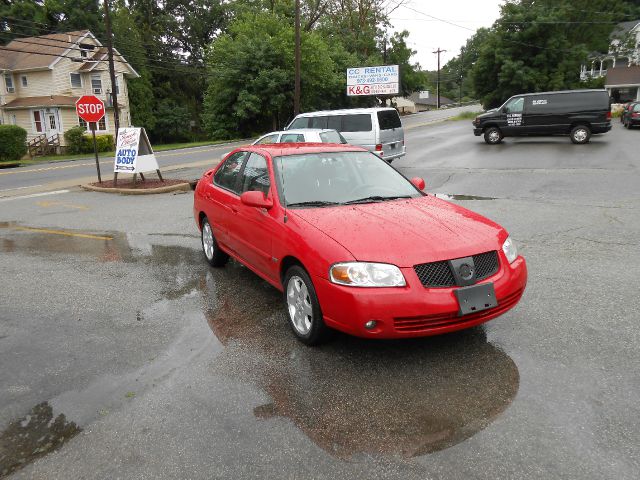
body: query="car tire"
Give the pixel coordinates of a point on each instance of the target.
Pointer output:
(493, 135)
(215, 257)
(580, 134)
(303, 307)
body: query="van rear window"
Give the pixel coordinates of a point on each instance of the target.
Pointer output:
(356, 123)
(389, 119)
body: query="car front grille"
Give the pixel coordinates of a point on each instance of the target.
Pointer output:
(439, 274)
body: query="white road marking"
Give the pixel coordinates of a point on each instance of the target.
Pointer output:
(33, 195)
(19, 188)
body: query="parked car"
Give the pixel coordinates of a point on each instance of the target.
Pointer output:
(624, 108)
(309, 135)
(377, 129)
(631, 115)
(353, 245)
(577, 113)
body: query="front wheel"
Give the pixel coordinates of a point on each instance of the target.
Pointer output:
(212, 252)
(303, 308)
(492, 135)
(580, 134)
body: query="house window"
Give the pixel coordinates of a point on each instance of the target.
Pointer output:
(96, 84)
(24, 80)
(84, 49)
(117, 86)
(76, 80)
(8, 81)
(102, 124)
(37, 121)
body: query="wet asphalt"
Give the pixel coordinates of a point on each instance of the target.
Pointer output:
(125, 356)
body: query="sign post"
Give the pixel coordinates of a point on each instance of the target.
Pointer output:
(91, 109)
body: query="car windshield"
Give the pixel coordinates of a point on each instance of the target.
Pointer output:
(334, 178)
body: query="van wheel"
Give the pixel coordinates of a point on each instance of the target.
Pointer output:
(492, 135)
(580, 134)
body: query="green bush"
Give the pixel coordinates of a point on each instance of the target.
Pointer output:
(13, 142)
(76, 140)
(104, 142)
(79, 141)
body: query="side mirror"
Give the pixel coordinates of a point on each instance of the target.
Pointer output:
(256, 199)
(418, 182)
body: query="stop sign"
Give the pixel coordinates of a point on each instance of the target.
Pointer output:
(90, 108)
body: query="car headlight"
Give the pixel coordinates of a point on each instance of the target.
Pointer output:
(510, 250)
(364, 274)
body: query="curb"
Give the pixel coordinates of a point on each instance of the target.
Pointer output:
(186, 186)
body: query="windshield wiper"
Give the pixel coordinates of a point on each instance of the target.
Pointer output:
(313, 203)
(376, 198)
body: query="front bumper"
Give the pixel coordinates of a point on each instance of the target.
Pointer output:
(477, 131)
(414, 311)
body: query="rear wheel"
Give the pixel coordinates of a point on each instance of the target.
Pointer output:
(212, 252)
(303, 308)
(580, 134)
(492, 135)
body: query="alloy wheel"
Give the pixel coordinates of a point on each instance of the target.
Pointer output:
(299, 305)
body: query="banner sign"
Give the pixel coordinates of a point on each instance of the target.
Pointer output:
(381, 80)
(133, 152)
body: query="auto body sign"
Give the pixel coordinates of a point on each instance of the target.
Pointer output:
(381, 80)
(133, 152)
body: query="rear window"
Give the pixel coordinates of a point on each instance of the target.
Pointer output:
(389, 119)
(302, 122)
(331, 137)
(356, 123)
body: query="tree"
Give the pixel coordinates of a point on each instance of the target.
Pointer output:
(539, 45)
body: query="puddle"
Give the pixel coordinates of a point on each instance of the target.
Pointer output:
(33, 436)
(445, 196)
(394, 398)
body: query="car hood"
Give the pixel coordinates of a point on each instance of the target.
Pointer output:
(406, 232)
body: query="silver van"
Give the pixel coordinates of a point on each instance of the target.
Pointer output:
(376, 129)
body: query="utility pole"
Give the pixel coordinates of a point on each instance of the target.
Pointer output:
(461, 75)
(296, 88)
(438, 52)
(112, 72)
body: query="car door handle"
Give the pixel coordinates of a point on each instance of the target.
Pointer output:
(234, 209)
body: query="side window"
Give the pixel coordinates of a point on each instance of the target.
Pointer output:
(356, 123)
(515, 105)
(302, 122)
(331, 137)
(292, 138)
(256, 175)
(227, 176)
(267, 139)
(334, 122)
(318, 122)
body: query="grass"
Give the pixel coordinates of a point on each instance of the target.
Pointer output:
(90, 156)
(465, 116)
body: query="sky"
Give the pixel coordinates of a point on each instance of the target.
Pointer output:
(426, 33)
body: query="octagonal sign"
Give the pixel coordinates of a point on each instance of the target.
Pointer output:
(90, 108)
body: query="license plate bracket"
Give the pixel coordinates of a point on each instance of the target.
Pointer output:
(475, 298)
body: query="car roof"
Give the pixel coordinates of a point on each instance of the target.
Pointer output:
(301, 130)
(586, 90)
(346, 111)
(284, 149)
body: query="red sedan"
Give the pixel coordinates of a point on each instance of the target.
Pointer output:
(353, 244)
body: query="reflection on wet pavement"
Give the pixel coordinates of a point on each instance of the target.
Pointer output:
(407, 398)
(33, 436)
(403, 398)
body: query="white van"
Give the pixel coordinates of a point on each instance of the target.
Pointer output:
(376, 129)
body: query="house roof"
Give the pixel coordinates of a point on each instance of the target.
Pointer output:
(621, 29)
(47, 101)
(623, 76)
(42, 52)
(37, 52)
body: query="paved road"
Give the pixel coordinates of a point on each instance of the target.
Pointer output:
(58, 175)
(116, 337)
